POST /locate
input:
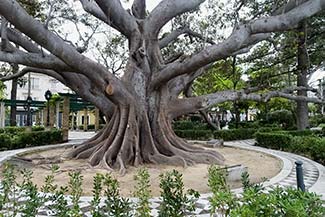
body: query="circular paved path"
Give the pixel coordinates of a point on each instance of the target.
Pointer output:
(314, 173)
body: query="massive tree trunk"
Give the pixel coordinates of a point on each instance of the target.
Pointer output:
(140, 131)
(302, 81)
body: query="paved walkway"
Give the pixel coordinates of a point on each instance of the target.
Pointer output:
(314, 173)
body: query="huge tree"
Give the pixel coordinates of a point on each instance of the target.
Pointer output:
(142, 103)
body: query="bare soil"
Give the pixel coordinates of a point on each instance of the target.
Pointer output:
(259, 166)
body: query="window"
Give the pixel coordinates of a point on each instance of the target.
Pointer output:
(34, 82)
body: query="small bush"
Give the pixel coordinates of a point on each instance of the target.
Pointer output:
(28, 139)
(276, 140)
(317, 150)
(175, 202)
(190, 125)
(195, 134)
(38, 128)
(5, 142)
(143, 193)
(235, 134)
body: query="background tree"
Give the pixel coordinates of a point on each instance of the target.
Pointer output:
(142, 103)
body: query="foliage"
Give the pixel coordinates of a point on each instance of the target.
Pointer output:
(97, 190)
(317, 120)
(276, 140)
(29, 139)
(175, 202)
(255, 201)
(195, 134)
(235, 134)
(222, 199)
(75, 183)
(143, 193)
(283, 117)
(190, 125)
(308, 144)
(227, 135)
(115, 205)
(33, 202)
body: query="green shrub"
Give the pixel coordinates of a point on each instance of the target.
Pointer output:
(142, 192)
(5, 141)
(316, 120)
(235, 134)
(175, 202)
(276, 140)
(301, 132)
(244, 124)
(255, 201)
(317, 150)
(269, 129)
(38, 128)
(27, 139)
(115, 205)
(285, 118)
(12, 130)
(194, 134)
(222, 200)
(190, 125)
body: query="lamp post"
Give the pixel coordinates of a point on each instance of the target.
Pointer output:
(48, 96)
(29, 101)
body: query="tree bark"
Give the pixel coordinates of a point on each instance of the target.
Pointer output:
(302, 54)
(13, 97)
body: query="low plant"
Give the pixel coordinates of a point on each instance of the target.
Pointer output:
(222, 200)
(115, 205)
(75, 184)
(175, 201)
(30, 192)
(8, 201)
(97, 190)
(142, 192)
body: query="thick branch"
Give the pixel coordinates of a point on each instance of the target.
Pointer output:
(36, 31)
(26, 70)
(167, 10)
(118, 18)
(21, 40)
(139, 9)
(164, 42)
(242, 37)
(3, 33)
(180, 107)
(33, 60)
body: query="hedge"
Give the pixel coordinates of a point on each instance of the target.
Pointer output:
(277, 140)
(16, 130)
(195, 134)
(29, 139)
(309, 146)
(227, 135)
(235, 134)
(190, 125)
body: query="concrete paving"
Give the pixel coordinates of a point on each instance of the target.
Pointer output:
(314, 173)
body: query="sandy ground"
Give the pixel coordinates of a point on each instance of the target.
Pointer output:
(259, 166)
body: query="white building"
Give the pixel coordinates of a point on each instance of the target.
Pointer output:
(39, 84)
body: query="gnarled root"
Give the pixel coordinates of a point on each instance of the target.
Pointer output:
(130, 139)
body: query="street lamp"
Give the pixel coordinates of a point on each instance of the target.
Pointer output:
(48, 96)
(29, 101)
